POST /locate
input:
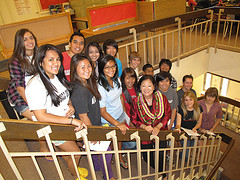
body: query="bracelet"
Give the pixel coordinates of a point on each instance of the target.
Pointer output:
(71, 120)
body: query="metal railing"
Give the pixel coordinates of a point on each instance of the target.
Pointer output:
(200, 159)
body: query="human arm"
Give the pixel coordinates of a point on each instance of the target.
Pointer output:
(198, 125)
(123, 103)
(21, 91)
(71, 109)
(178, 123)
(218, 119)
(43, 116)
(173, 116)
(111, 120)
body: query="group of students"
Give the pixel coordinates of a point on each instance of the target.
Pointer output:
(92, 89)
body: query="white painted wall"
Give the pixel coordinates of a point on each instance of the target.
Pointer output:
(225, 63)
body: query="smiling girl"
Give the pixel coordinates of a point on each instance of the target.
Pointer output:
(21, 69)
(49, 98)
(112, 103)
(87, 105)
(94, 51)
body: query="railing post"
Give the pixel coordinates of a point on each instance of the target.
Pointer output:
(210, 153)
(219, 17)
(134, 32)
(193, 156)
(112, 135)
(138, 144)
(7, 154)
(172, 140)
(202, 154)
(179, 38)
(45, 132)
(156, 138)
(83, 134)
(184, 138)
(210, 29)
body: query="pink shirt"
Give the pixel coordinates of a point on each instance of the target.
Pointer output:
(215, 112)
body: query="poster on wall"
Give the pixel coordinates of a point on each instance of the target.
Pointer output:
(22, 6)
(46, 3)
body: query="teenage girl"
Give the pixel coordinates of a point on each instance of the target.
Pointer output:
(129, 86)
(48, 97)
(94, 52)
(111, 104)
(21, 69)
(110, 47)
(87, 105)
(189, 115)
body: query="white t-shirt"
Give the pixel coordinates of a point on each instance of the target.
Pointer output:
(111, 100)
(38, 98)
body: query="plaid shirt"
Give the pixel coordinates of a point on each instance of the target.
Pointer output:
(17, 79)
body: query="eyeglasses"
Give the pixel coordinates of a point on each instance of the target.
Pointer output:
(110, 67)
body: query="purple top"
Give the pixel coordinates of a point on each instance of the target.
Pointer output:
(215, 112)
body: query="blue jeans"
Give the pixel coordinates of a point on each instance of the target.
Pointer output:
(190, 143)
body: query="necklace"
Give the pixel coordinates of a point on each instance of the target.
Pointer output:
(145, 113)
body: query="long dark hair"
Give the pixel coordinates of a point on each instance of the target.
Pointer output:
(91, 84)
(132, 73)
(51, 89)
(102, 79)
(19, 52)
(94, 44)
(143, 78)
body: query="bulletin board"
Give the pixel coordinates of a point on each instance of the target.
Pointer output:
(54, 29)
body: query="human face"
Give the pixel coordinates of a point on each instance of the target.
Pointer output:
(76, 45)
(93, 53)
(147, 88)
(84, 70)
(187, 85)
(111, 51)
(134, 63)
(164, 85)
(164, 67)
(109, 69)
(51, 63)
(129, 81)
(210, 99)
(189, 102)
(149, 71)
(29, 41)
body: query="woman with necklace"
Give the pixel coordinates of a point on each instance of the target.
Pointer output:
(151, 111)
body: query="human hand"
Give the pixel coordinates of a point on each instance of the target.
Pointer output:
(178, 130)
(203, 130)
(169, 127)
(80, 125)
(149, 129)
(211, 130)
(155, 131)
(70, 111)
(122, 128)
(194, 130)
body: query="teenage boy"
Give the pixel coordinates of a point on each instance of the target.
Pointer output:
(148, 69)
(166, 65)
(76, 45)
(134, 60)
(163, 80)
(187, 86)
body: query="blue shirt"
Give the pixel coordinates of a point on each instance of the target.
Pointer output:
(119, 64)
(111, 100)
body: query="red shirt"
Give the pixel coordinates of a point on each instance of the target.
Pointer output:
(133, 94)
(66, 64)
(137, 120)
